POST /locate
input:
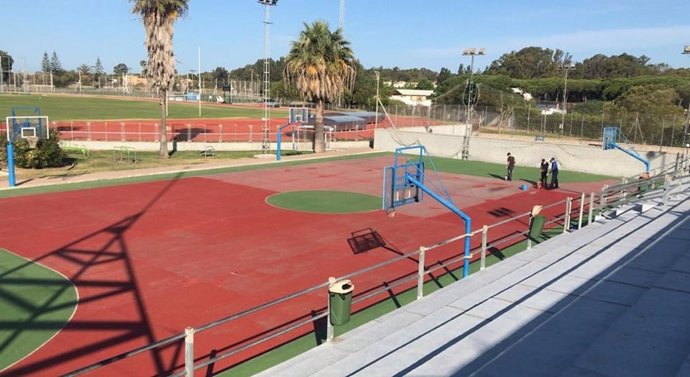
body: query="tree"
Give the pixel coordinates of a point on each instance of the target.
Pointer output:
(98, 72)
(45, 63)
(321, 65)
(6, 63)
(530, 62)
(158, 17)
(220, 74)
(120, 69)
(55, 65)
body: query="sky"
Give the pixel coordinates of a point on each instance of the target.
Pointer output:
(403, 33)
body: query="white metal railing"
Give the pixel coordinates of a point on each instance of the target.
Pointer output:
(418, 276)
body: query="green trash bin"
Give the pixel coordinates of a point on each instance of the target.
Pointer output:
(536, 227)
(340, 301)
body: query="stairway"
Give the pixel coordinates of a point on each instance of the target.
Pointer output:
(611, 299)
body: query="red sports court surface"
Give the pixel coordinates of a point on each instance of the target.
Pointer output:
(151, 259)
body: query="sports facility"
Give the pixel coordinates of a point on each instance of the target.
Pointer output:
(104, 278)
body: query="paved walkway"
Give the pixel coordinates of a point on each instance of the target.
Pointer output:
(611, 299)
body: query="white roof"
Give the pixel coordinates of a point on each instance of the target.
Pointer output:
(414, 92)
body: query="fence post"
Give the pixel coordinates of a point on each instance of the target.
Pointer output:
(602, 199)
(189, 133)
(591, 208)
(71, 126)
(568, 208)
(667, 190)
(88, 131)
(189, 352)
(420, 273)
(157, 134)
(220, 135)
(582, 211)
(139, 125)
(329, 326)
(105, 126)
(485, 231)
(122, 131)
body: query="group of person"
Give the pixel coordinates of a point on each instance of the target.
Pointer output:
(544, 168)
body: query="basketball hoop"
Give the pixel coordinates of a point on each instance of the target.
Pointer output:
(32, 140)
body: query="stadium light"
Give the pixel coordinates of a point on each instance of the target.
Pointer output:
(472, 52)
(266, 141)
(566, 66)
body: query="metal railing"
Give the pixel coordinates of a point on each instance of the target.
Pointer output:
(562, 214)
(518, 234)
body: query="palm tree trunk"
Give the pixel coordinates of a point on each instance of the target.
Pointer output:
(319, 142)
(163, 150)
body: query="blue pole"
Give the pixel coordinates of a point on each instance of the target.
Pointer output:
(278, 142)
(10, 164)
(635, 155)
(455, 210)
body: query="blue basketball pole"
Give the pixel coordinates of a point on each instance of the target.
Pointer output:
(455, 210)
(10, 164)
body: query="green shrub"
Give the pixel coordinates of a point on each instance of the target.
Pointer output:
(47, 153)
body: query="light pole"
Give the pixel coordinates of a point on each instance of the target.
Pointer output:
(686, 51)
(266, 142)
(472, 52)
(378, 80)
(470, 101)
(566, 66)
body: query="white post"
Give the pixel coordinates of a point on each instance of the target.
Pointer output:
(591, 208)
(420, 273)
(667, 190)
(568, 208)
(485, 231)
(582, 211)
(329, 326)
(189, 352)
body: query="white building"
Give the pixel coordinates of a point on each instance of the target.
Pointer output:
(413, 97)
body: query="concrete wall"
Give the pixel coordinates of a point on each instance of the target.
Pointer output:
(185, 146)
(582, 158)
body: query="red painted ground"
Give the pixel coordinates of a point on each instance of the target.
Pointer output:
(150, 259)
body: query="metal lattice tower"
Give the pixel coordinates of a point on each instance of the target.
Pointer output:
(342, 14)
(266, 92)
(472, 52)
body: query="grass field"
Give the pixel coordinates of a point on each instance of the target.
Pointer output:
(75, 107)
(35, 303)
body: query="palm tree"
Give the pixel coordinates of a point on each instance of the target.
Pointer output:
(321, 66)
(159, 17)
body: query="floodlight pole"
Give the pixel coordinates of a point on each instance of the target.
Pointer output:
(378, 80)
(686, 51)
(471, 52)
(566, 66)
(266, 141)
(199, 67)
(341, 19)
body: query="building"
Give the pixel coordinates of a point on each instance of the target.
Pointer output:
(413, 97)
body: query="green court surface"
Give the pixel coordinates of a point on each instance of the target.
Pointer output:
(67, 107)
(325, 201)
(35, 303)
(489, 169)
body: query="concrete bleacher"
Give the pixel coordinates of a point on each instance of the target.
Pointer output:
(611, 299)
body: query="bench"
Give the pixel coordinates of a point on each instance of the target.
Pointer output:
(76, 149)
(208, 151)
(123, 153)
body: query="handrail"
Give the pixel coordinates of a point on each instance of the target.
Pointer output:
(402, 280)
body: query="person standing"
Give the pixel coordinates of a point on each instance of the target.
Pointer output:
(554, 173)
(509, 168)
(544, 170)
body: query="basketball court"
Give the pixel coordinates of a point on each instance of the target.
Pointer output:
(150, 259)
